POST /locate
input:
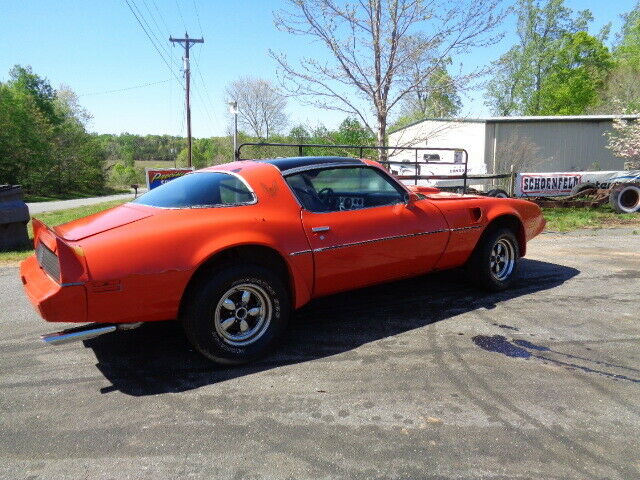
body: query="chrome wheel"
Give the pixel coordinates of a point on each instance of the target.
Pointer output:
(502, 259)
(243, 314)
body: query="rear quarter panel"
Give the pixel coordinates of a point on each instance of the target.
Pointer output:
(139, 271)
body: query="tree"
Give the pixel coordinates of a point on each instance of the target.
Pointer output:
(373, 46)
(261, 106)
(576, 76)
(44, 145)
(621, 94)
(521, 72)
(624, 140)
(436, 98)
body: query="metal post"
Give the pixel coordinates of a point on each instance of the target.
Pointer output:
(415, 178)
(512, 182)
(236, 154)
(466, 166)
(233, 108)
(187, 42)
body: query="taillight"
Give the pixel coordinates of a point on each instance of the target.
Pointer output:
(73, 266)
(63, 262)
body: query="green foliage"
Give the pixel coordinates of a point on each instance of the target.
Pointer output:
(44, 145)
(572, 218)
(520, 74)
(578, 72)
(437, 97)
(621, 93)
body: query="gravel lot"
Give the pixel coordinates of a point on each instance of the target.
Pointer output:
(425, 378)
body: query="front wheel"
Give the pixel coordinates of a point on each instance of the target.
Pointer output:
(235, 316)
(494, 263)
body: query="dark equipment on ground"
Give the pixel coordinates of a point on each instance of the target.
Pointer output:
(14, 216)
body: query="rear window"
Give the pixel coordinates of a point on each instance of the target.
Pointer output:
(199, 190)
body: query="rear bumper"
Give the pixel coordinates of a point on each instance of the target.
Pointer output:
(54, 302)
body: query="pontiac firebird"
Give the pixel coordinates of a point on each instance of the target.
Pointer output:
(232, 250)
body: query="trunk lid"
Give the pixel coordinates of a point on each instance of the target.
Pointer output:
(102, 221)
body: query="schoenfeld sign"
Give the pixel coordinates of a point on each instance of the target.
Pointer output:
(557, 184)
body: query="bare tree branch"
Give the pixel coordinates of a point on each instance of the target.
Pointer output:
(261, 107)
(380, 50)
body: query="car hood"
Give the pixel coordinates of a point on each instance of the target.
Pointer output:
(103, 221)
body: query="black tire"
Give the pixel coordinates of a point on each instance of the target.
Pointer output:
(498, 193)
(625, 198)
(202, 315)
(481, 266)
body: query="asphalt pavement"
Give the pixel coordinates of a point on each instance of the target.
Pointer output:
(420, 379)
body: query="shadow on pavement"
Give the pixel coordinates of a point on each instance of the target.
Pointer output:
(157, 358)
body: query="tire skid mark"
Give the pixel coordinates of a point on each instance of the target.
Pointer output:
(561, 440)
(494, 412)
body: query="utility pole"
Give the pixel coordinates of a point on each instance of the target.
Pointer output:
(186, 43)
(233, 109)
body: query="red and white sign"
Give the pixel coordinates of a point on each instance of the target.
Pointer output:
(558, 184)
(159, 176)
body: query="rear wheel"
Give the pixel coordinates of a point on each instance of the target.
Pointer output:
(237, 315)
(494, 263)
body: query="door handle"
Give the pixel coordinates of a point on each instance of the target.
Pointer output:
(320, 229)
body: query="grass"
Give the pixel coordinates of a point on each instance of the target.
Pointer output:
(567, 219)
(52, 219)
(154, 163)
(72, 195)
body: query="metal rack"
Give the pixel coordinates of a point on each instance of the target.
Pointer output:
(361, 149)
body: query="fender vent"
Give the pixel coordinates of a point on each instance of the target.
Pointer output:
(48, 261)
(476, 214)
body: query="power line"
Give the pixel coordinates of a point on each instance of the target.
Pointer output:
(195, 7)
(206, 90)
(184, 24)
(152, 43)
(206, 110)
(153, 18)
(150, 30)
(124, 89)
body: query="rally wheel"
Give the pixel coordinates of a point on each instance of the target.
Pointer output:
(237, 315)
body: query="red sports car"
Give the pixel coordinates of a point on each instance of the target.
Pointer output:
(231, 250)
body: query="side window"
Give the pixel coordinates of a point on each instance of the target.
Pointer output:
(334, 189)
(233, 192)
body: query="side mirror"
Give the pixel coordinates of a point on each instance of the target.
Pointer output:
(411, 198)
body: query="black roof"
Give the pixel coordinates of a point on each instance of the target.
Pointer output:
(290, 163)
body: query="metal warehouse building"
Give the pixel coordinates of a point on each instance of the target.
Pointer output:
(543, 144)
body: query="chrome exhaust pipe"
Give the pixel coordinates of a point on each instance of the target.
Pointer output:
(85, 332)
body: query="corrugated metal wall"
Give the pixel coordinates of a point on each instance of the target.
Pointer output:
(557, 145)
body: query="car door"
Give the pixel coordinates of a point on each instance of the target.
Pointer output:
(361, 229)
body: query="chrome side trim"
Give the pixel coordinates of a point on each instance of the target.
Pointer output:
(473, 227)
(365, 242)
(301, 252)
(71, 284)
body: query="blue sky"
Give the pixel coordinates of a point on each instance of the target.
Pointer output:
(97, 46)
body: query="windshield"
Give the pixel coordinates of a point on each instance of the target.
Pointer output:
(199, 190)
